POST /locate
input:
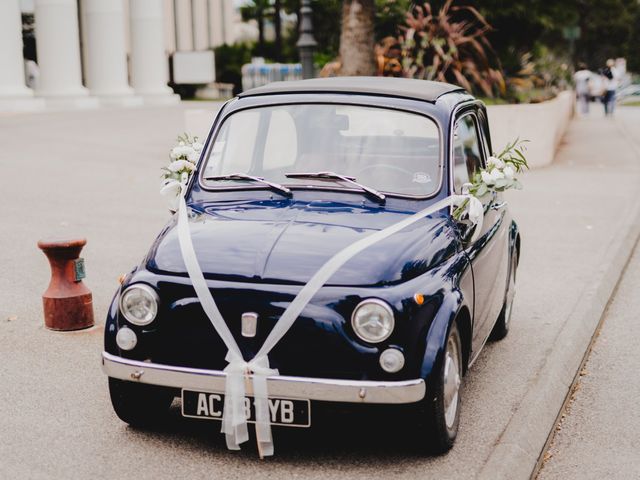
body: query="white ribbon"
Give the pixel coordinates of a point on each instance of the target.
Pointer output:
(172, 189)
(234, 422)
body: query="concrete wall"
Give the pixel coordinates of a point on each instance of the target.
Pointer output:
(543, 124)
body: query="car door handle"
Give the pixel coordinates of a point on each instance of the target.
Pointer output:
(498, 206)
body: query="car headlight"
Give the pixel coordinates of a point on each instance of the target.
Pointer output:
(139, 304)
(127, 339)
(372, 320)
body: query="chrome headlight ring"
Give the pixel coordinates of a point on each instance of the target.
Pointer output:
(139, 304)
(372, 320)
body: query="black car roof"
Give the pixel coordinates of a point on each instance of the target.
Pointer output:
(395, 87)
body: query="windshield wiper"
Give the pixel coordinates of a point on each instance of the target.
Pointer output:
(241, 176)
(336, 176)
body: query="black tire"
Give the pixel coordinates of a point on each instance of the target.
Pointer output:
(138, 404)
(438, 427)
(501, 328)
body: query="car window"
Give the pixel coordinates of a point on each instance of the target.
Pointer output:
(389, 150)
(281, 146)
(466, 151)
(238, 141)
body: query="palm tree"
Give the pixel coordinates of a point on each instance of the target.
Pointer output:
(277, 26)
(256, 9)
(356, 39)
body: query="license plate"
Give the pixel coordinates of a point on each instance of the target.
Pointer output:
(282, 411)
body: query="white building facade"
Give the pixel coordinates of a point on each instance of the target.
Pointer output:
(110, 52)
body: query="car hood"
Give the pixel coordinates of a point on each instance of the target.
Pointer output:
(287, 241)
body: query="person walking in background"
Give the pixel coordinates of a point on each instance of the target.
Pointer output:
(581, 80)
(610, 85)
(31, 74)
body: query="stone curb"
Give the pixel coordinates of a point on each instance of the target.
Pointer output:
(517, 452)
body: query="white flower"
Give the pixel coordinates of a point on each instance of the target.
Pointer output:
(509, 172)
(487, 177)
(178, 165)
(177, 152)
(193, 156)
(495, 162)
(175, 165)
(496, 174)
(181, 143)
(184, 152)
(197, 146)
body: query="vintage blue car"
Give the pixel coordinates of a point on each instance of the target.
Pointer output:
(292, 173)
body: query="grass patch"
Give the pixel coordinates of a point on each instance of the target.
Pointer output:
(494, 101)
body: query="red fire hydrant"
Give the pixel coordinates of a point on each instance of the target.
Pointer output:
(68, 304)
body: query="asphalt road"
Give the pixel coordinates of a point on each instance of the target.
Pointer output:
(96, 174)
(599, 433)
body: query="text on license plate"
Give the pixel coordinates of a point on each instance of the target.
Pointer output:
(282, 411)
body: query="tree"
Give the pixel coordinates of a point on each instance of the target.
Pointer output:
(255, 10)
(357, 38)
(277, 26)
(608, 28)
(390, 16)
(450, 45)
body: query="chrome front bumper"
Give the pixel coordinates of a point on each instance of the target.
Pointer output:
(325, 389)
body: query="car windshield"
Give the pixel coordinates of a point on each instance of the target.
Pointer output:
(386, 150)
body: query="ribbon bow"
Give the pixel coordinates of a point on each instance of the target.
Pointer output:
(236, 411)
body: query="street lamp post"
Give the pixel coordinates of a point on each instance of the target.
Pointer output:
(306, 43)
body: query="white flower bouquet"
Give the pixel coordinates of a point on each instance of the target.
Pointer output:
(500, 174)
(183, 158)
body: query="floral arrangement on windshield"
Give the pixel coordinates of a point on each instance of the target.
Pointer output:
(183, 158)
(500, 174)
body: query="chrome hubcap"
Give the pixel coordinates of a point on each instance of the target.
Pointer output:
(451, 382)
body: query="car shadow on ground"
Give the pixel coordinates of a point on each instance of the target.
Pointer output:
(371, 433)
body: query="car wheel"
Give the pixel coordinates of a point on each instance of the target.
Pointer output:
(501, 328)
(138, 404)
(441, 413)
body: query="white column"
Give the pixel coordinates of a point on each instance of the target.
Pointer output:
(201, 42)
(11, 61)
(149, 64)
(200, 12)
(216, 23)
(58, 44)
(169, 27)
(106, 58)
(229, 15)
(184, 25)
(14, 94)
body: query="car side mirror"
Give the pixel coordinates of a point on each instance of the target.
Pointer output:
(465, 226)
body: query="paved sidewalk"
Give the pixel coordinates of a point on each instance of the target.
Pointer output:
(581, 219)
(600, 435)
(97, 173)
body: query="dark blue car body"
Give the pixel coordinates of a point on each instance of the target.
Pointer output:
(257, 249)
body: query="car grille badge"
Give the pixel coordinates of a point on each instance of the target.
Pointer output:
(249, 324)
